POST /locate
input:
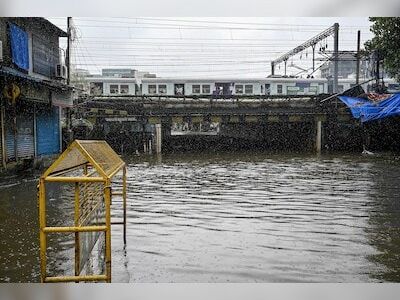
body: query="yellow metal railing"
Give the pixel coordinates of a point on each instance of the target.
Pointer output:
(90, 194)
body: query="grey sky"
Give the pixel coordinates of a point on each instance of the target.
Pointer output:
(202, 47)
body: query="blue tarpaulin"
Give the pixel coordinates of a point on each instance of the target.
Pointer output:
(19, 47)
(368, 111)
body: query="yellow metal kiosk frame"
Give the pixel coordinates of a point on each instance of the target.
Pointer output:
(96, 163)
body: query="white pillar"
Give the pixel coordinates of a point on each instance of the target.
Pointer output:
(158, 138)
(318, 142)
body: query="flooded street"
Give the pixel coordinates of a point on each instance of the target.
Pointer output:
(247, 217)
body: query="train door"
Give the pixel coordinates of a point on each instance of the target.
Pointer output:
(267, 89)
(224, 88)
(179, 89)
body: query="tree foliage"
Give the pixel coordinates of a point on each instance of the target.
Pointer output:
(387, 42)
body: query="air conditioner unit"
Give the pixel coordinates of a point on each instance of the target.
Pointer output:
(1, 51)
(61, 71)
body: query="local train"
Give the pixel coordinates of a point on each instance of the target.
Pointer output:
(225, 87)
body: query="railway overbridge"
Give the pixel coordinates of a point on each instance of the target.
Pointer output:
(158, 118)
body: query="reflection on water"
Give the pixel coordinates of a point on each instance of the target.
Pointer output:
(232, 218)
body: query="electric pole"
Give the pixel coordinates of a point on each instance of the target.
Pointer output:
(358, 57)
(335, 57)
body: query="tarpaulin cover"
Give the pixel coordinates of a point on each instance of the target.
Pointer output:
(19, 47)
(368, 111)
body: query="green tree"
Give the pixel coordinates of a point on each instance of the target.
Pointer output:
(387, 42)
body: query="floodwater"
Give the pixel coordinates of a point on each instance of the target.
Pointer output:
(248, 217)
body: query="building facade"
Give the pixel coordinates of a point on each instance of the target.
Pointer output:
(34, 95)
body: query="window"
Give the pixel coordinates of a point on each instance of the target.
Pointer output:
(124, 88)
(96, 88)
(291, 90)
(179, 89)
(152, 89)
(19, 47)
(248, 89)
(268, 89)
(239, 89)
(279, 88)
(206, 89)
(162, 89)
(114, 89)
(196, 89)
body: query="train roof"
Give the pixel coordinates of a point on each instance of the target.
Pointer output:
(228, 80)
(112, 79)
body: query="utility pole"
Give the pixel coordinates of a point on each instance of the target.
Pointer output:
(334, 29)
(313, 58)
(68, 56)
(69, 135)
(335, 57)
(358, 57)
(285, 66)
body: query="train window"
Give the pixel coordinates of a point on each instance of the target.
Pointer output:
(114, 89)
(313, 90)
(124, 88)
(279, 88)
(248, 89)
(96, 88)
(239, 89)
(196, 88)
(206, 89)
(162, 89)
(152, 89)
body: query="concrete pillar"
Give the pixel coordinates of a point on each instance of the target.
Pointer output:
(150, 149)
(158, 141)
(144, 146)
(318, 140)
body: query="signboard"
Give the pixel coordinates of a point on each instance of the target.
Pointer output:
(62, 98)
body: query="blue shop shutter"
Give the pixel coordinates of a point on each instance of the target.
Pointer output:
(48, 131)
(19, 47)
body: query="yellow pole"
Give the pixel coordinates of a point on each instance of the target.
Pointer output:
(42, 225)
(76, 224)
(124, 199)
(107, 199)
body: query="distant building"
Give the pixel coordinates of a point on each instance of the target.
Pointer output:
(347, 67)
(124, 73)
(33, 91)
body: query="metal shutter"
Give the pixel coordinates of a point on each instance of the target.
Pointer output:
(48, 131)
(25, 140)
(10, 143)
